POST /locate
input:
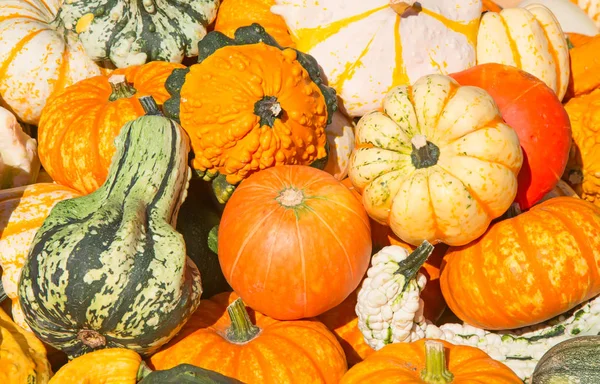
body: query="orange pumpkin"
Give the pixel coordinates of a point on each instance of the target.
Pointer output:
(234, 14)
(527, 269)
(221, 337)
(424, 361)
(343, 322)
(490, 6)
(22, 212)
(294, 242)
(103, 366)
(79, 124)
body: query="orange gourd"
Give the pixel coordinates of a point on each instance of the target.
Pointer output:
(79, 124)
(578, 39)
(430, 362)
(585, 68)
(104, 366)
(234, 14)
(294, 242)
(490, 6)
(221, 337)
(526, 269)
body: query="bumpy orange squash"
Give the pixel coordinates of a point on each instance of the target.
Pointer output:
(79, 125)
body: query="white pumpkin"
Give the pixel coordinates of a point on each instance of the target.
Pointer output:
(528, 38)
(572, 19)
(438, 164)
(340, 137)
(19, 162)
(37, 57)
(592, 8)
(366, 47)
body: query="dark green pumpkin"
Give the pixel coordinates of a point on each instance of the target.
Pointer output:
(573, 361)
(109, 269)
(187, 374)
(252, 34)
(198, 222)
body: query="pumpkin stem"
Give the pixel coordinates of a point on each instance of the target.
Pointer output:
(143, 371)
(403, 8)
(424, 154)
(91, 338)
(268, 109)
(241, 330)
(436, 371)
(150, 106)
(410, 266)
(121, 89)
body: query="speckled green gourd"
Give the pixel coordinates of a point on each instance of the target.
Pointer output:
(185, 374)
(135, 32)
(574, 361)
(109, 269)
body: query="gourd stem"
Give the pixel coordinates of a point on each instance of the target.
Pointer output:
(143, 371)
(241, 330)
(436, 371)
(121, 89)
(268, 109)
(150, 106)
(402, 8)
(425, 154)
(410, 266)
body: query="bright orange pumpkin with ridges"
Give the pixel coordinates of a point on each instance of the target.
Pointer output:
(22, 212)
(220, 336)
(430, 362)
(527, 269)
(241, 13)
(103, 366)
(294, 242)
(78, 125)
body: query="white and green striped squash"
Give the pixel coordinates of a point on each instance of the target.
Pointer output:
(573, 361)
(109, 269)
(130, 32)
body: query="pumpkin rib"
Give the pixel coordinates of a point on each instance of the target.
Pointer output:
(365, 222)
(303, 260)
(300, 347)
(511, 42)
(483, 206)
(272, 248)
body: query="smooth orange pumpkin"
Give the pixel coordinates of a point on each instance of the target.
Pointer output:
(527, 269)
(234, 14)
(430, 362)
(490, 6)
(220, 336)
(294, 242)
(104, 366)
(79, 124)
(532, 109)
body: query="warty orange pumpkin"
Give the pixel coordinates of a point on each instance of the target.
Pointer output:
(285, 244)
(526, 269)
(221, 336)
(22, 212)
(79, 125)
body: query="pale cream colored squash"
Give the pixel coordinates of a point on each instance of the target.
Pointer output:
(438, 164)
(367, 47)
(340, 137)
(572, 19)
(19, 162)
(528, 38)
(591, 7)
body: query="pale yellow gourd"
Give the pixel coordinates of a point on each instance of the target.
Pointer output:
(340, 138)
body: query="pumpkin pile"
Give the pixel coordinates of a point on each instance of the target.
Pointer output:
(283, 191)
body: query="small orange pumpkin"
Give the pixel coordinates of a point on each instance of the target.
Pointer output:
(79, 124)
(104, 366)
(221, 337)
(424, 362)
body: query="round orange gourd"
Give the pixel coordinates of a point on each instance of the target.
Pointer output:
(79, 124)
(294, 242)
(234, 14)
(540, 264)
(430, 362)
(221, 337)
(22, 212)
(104, 366)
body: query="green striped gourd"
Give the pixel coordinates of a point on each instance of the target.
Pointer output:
(109, 269)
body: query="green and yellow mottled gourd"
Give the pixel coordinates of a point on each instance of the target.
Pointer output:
(109, 269)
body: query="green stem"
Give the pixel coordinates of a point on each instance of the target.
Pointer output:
(410, 266)
(424, 153)
(121, 89)
(436, 371)
(143, 371)
(150, 106)
(241, 330)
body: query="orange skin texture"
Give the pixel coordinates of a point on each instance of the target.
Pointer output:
(343, 322)
(282, 353)
(234, 14)
(403, 362)
(297, 261)
(490, 6)
(79, 124)
(217, 111)
(104, 366)
(382, 236)
(532, 109)
(585, 66)
(540, 264)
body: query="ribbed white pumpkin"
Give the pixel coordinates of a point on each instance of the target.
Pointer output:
(571, 18)
(591, 7)
(528, 38)
(365, 47)
(36, 57)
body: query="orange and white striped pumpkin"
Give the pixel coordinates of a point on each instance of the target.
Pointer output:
(529, 38)
(37, 56)
(591, 7)
(22, 212)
